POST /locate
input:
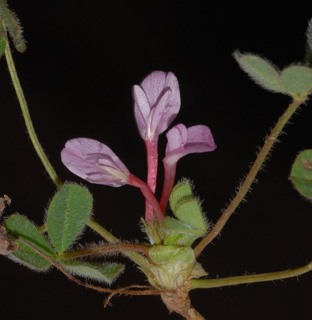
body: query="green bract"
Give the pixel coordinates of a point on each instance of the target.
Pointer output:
(67, 215)
(173, 266)
(189, 223)
(301, 173)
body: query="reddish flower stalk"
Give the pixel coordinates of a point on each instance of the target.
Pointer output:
(152, 168)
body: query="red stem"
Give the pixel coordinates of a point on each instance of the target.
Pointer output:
(152, 166)
(170, 173)
(149, 196)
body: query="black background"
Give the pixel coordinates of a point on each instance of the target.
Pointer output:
(82, 59)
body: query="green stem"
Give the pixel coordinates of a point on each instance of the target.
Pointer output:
(134, 256)
(30, 128)
(106, 248)
(252, 278)
(244, 188)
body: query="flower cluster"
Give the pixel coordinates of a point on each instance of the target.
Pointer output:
(156, 104)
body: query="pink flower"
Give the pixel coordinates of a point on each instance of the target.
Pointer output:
(95, 162)
(183, 141)
(157, 102)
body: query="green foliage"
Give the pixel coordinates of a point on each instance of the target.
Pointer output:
(12, 23)
(190, 223)
(67, 215)
(20, 227)
(295, 80)
(260, 70)
(301, 173)
(106, 272)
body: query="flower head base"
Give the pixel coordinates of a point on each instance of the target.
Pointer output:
(157, 102)
(95, 162)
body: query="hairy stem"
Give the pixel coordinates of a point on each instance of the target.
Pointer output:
(29, 125)
(148, 290)
(106, 248)
(244, 188)
(134, 256)
(252, 278)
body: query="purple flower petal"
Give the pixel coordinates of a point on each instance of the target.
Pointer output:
(95, 162)
(183, 141)
(157, 102)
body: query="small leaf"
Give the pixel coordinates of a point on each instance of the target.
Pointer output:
(180, 191)
(297, 80)
(13, 26)
(19, 226)
(67, 215)
(189, 211)
(187, 208)
(301, 173)
(260, 70)
(106, 272)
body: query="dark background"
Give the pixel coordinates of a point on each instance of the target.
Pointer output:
(82, 59)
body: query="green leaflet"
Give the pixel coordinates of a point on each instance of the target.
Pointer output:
(260, 70)
(301, 173)
(105, 272)
(19, 226)
(186, 207)
(68, 214)
(297, 80)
